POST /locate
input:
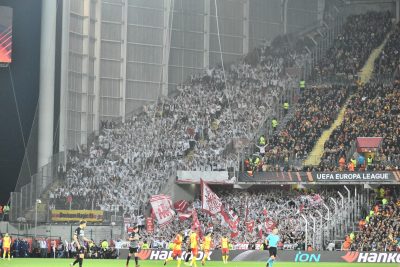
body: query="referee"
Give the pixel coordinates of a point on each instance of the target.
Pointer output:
(272, 240)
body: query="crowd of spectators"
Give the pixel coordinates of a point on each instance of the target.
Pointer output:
(388, 62)
(56, 248)
(350, 50)
(318, 106)
(379, 230)
(372, 112)
(316, 110)
(130, 161)
(280, 207)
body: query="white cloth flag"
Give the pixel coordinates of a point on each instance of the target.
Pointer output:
(210, 201)
(162, 208)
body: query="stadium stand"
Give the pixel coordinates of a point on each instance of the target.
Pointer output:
(279, 207)
(373, 111)
(131, 161)
(293, 143)
(361, 34)
(387, 65)
(165, 136)
(379, 230)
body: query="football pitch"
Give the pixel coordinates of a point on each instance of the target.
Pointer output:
(121, 263)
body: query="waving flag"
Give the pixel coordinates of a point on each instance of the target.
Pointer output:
(195, 222)
(181, 205)
(162, 208)
(250, 226)
(210, 201)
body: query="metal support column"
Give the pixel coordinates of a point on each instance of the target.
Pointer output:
(124, 44)
(46, 93)
(206, 34)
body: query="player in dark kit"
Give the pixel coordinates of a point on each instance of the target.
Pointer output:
(134, 246)
(79, 238)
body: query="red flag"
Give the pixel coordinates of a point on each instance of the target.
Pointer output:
(260, 231)
(196, 224)
(210, 201)
(149, 225)
(184, 215)
(247, 210)
(181, 205)
(250, 226)
(265, 212)
(234, 234)
(233, 224)
(269, 225)
(195, 221)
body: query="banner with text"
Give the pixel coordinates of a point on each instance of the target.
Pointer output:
(77, 215)
(283, 256)
(391, 177)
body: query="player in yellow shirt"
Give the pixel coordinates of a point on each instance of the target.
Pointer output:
(194, 241)
(207, 243)
(6, 246)
(225, 249)
(177, 250)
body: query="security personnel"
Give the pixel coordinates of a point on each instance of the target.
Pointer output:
(274, 123)
(302, 85)
(369, 162)
(6, 210)
(104, 245)
(354, 161)
(256, 161)
(145, 245)
(285, 107)
(371, 213)
(261, 140)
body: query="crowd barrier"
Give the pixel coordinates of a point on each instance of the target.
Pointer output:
(284, 256)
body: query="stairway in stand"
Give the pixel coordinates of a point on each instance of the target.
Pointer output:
(365, 75)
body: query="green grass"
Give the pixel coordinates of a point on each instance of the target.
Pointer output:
(121, 263)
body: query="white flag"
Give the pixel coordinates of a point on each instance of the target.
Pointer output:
(210, 201)
(162, 208)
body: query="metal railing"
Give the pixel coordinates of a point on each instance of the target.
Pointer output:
(24, 200)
